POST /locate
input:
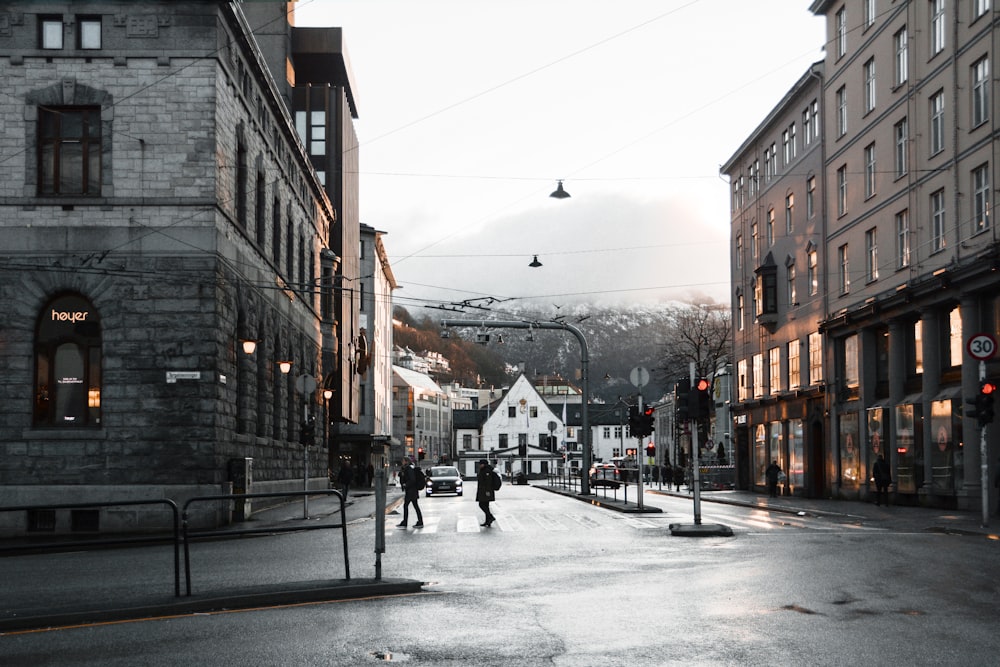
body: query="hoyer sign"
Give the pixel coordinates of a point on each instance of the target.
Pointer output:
(68, 316)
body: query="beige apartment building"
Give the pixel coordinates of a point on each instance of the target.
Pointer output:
(905, 268)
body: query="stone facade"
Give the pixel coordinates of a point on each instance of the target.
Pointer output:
(205, 226)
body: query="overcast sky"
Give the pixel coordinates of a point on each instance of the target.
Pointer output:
(471, 110)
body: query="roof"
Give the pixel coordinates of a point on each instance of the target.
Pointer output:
(415, 379)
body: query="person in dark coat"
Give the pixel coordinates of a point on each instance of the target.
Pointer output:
(771, 474)
(678, 476)
(371, 473)
(411, 492)
(484, 491)
(667, 474)
(345, 477)
(883, 478)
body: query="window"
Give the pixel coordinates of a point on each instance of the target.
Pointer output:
(869, 13)
(794, 375)
(851, 378)
(790, 271)
(842, 190)
(789, 209)
(807, 125)
(741, 387)
(918, 347)
(901, 67)
(69, 151)
(606, 433)
(902, 239)
(788, 144)
(812, 272)
(845, 269)
(901, 133)
(739, 312)
(739, 251)
(260, 211)
(311, 128)
(533, 411)
(758, 375)
(980, 92)
(50, 32)
(937, 221)
(841, 111)
(815, 358)
(810, 197)
(870, 171)
(869, 74)
(752, 173)
(242, 182)
(815, 117)
(753, 243)
(276, 232)
(774, 368)
(770, 162)
(68, 364)
(841, 28)
(980, 7)
(980, 198)
(511, 411)
(937, 26)
(955, 346)
(88, 32)
(770, 227)
(937, 122)
(871, 254)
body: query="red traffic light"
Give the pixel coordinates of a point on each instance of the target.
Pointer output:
(702, 384)
(648, 411)
(988, 388)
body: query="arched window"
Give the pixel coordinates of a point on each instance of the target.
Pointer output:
(68, 363)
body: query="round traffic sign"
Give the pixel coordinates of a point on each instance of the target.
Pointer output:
(981, 346)
(639, 377)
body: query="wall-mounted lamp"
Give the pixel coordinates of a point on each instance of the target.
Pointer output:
(285, 367)
(327, 394)
(249, 345)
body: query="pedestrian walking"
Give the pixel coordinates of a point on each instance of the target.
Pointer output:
(771, 475)
(678, 477)
(345, 477)
(667, 475)
(371, 474)
(411, 479)
(883, 478)
(485, 493)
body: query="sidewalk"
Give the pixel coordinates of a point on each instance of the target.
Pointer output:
(116, 584)
(922, 519)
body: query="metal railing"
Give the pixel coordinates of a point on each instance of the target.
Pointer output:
(188, 535)
(64, 543)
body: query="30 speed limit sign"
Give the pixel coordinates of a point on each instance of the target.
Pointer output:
(981, 346)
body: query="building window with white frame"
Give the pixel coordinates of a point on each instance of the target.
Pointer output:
(869, 74)
(792, 299)
(50, 32)
(815, 117)
(937, 122)
(901, 69)
(758, 375)
(88, 35)
(901, 133)
(810, 197)
(752, 178)
(937, 16)
(770, 227)
(815, 358)
(789, 210)
(870, 171)
(812, 271)
(980, 7)
(844, 278)
(841, 27)
(794, 375)
(937, 221)
(902, 239)
(869, 13)
(739, 312)
(774, 368)
(980, 198)
(841, 111)
(754, 244)
(807, 123)
(980, 91)
(741, 385)
(871, 254)
(842, 190)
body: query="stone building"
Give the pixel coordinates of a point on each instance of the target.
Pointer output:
(169, 239)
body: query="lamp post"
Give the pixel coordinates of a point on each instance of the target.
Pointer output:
(584, 377)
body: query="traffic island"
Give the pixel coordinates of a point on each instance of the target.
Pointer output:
(700, 530)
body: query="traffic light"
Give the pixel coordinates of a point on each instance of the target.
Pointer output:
(647, 421)
(983, 403)
(701, 399)
(650, 450)
(307, 433)
(421, 453)
(633, 421)
(682, 399)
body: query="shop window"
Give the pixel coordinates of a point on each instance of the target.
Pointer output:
(68, 364)
(69, 151)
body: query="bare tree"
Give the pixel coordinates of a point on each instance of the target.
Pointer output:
(702, 334)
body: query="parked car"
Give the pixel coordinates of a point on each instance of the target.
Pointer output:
(443, 479)
(605, 474)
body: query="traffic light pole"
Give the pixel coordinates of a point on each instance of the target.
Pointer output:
(984, 462)
(695, 465)
(638, 460)
(584, 378)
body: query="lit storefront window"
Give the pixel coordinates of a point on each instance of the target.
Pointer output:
(850, 458)
(796, 456)
(909, 458)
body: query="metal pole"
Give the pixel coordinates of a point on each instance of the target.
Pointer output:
(984, 462)
(380, 487)
(695, 465)
(638, 461)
